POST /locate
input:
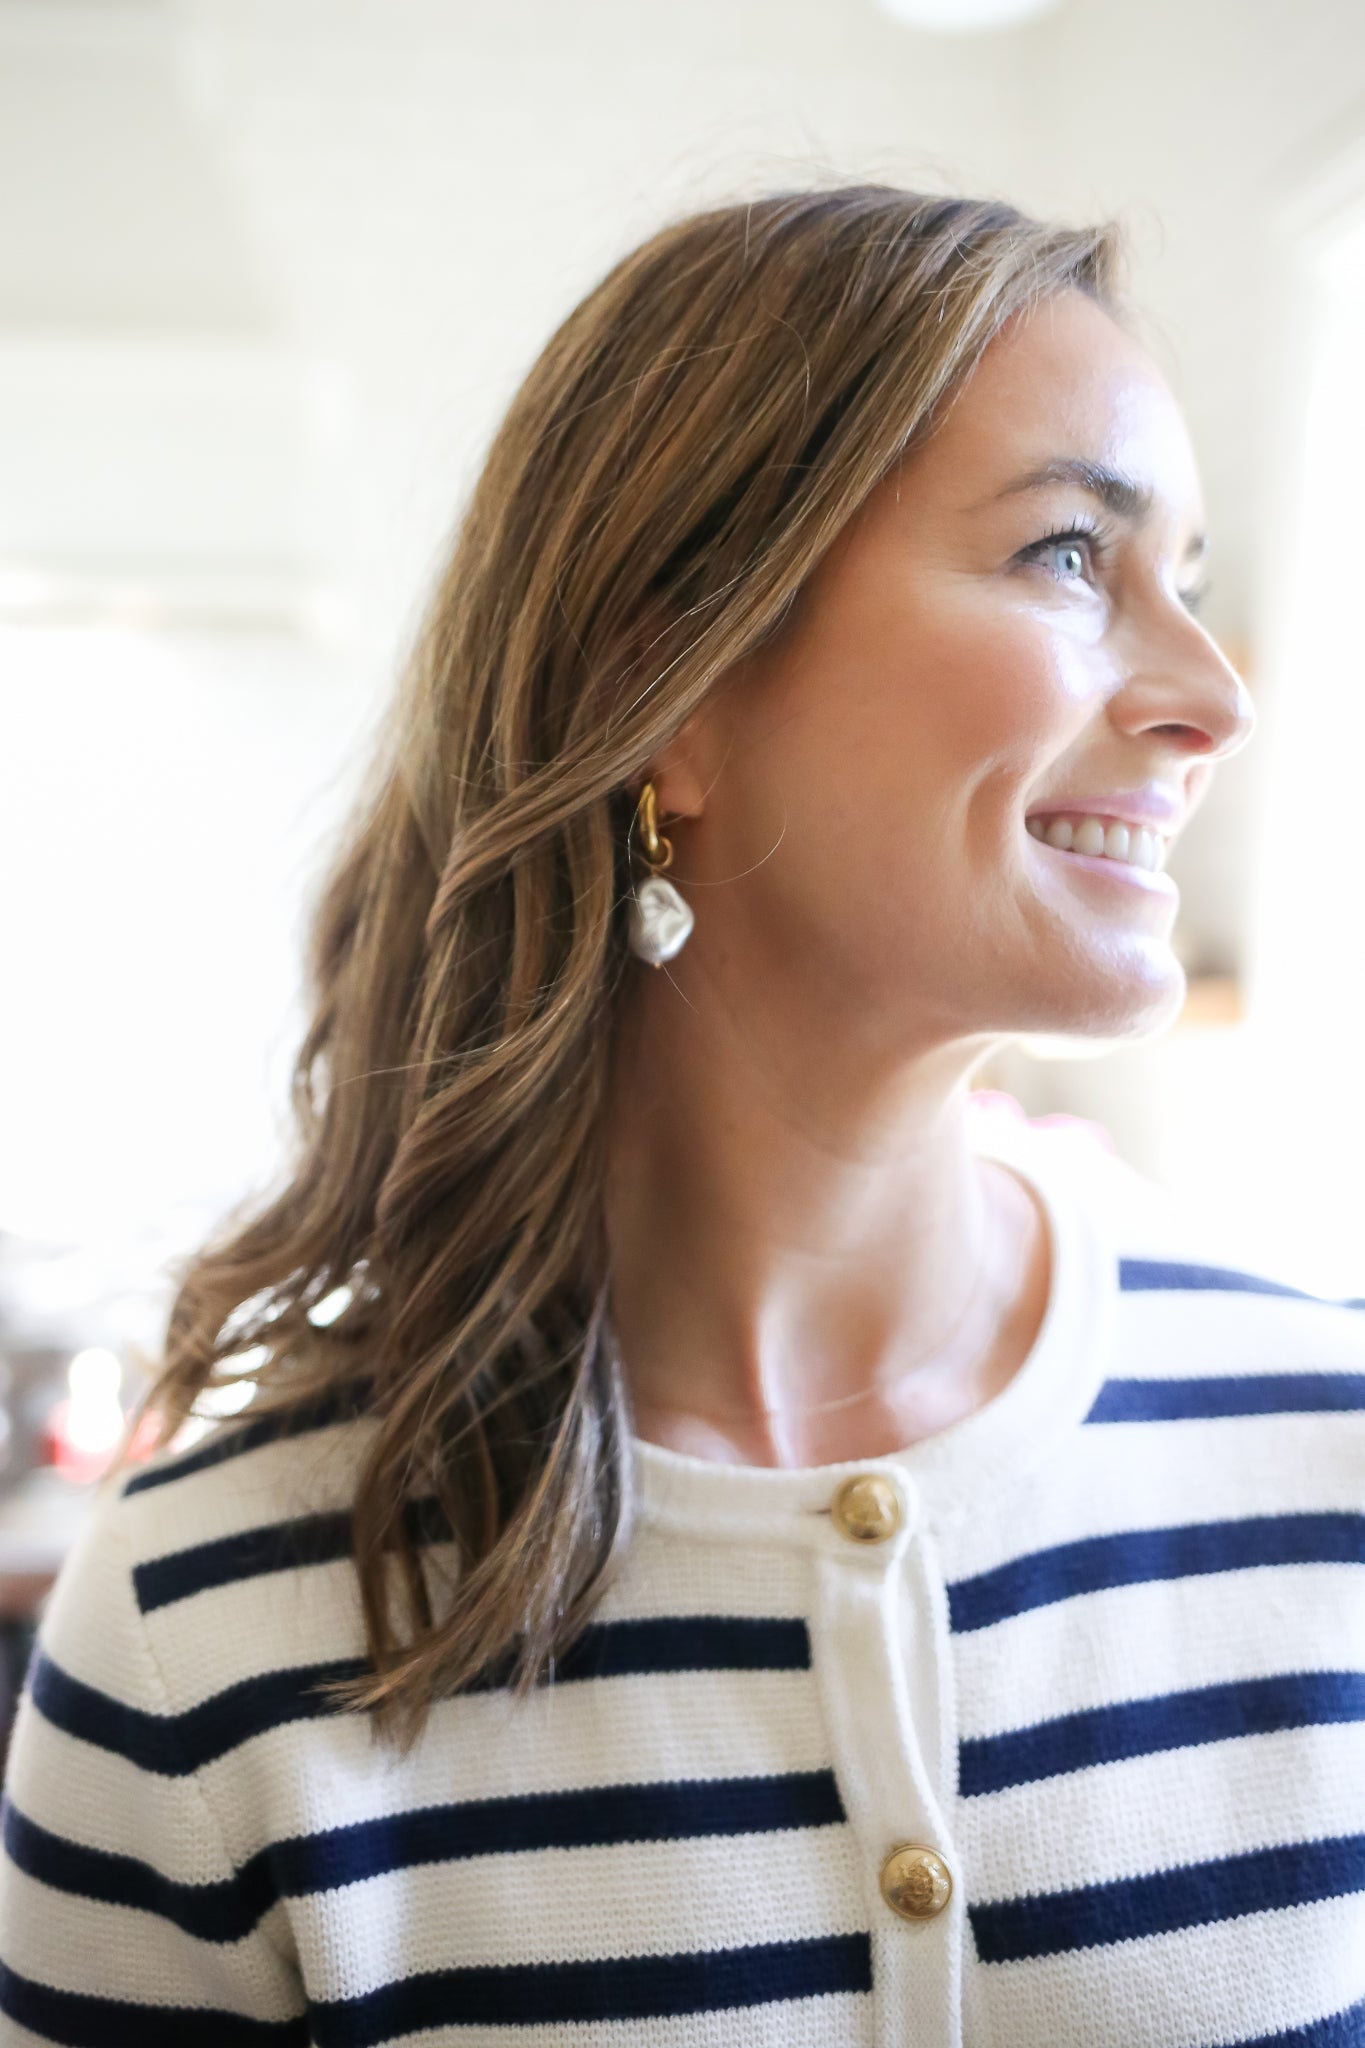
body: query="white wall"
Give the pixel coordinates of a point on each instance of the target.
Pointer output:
(164, 805)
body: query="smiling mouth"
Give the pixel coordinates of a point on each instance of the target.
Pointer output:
(1099, 838)
(1118, 866)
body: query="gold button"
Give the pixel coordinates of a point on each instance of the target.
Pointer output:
(866, 1508)
(916, 1882)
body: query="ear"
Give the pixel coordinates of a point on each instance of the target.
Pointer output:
(686, 768)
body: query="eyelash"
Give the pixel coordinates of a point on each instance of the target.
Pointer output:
(1098, 538)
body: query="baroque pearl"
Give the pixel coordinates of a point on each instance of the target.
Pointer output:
(660, 920)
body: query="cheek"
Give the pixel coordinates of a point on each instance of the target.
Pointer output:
(1010, 683)
(973, 699)
(896, 770)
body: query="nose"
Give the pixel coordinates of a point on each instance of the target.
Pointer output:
(1189, 688)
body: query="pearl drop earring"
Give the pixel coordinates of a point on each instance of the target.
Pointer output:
(660, 919)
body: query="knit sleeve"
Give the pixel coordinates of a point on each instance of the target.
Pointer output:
(123, 1917)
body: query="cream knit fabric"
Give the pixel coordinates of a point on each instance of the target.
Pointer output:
(1109, 1665)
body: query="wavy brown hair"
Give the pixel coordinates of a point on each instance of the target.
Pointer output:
(681, 454)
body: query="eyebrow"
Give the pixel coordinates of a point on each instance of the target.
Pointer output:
(1119, 493)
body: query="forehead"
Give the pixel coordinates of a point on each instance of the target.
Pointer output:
(1063, 379)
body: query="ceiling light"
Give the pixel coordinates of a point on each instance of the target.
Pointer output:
(965, 17)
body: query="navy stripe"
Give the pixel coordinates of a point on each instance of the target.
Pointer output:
(226, 1910)
(80, 2021)
(656, 1645)
(247, 1554)
(275, 1547)
(1139, 1556)
(591, 1817)
(621, 1988)
(233, 1440)
(1344, 2029)
(687, 1642)
(174, 1744)
(1250, 1393)
(1190, 1895)
(1139, 1276)
(1173, 1720)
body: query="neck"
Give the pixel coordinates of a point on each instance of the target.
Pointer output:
(807, 1264)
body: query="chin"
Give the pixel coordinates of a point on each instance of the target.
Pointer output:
(1125, 1018)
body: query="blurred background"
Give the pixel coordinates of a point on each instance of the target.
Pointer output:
(269, 272)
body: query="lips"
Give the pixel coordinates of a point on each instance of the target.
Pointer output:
(1114, 870)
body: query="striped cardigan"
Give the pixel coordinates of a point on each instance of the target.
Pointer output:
(1107, 1663)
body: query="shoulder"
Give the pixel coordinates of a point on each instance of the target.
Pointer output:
(211, 1565)
(151, 1760)
(281, 1478)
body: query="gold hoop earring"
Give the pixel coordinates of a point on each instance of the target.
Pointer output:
(660, 919)
(658, 851)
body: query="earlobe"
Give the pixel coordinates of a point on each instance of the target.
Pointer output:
(674, 798)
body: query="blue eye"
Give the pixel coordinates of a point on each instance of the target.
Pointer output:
(1078, 538)
(1075, 538)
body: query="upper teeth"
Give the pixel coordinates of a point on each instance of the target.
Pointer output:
(1131, 843)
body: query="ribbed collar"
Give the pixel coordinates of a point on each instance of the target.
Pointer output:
(969, 1465)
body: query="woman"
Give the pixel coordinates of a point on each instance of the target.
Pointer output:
(735, 1541)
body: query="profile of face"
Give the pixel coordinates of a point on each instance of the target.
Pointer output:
(851, 803)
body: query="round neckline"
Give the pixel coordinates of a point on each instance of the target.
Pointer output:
(997, 1444)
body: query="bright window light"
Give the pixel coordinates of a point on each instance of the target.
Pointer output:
(1303, 1143)
(94, 1416)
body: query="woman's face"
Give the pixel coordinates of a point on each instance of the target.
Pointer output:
(855, 798)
